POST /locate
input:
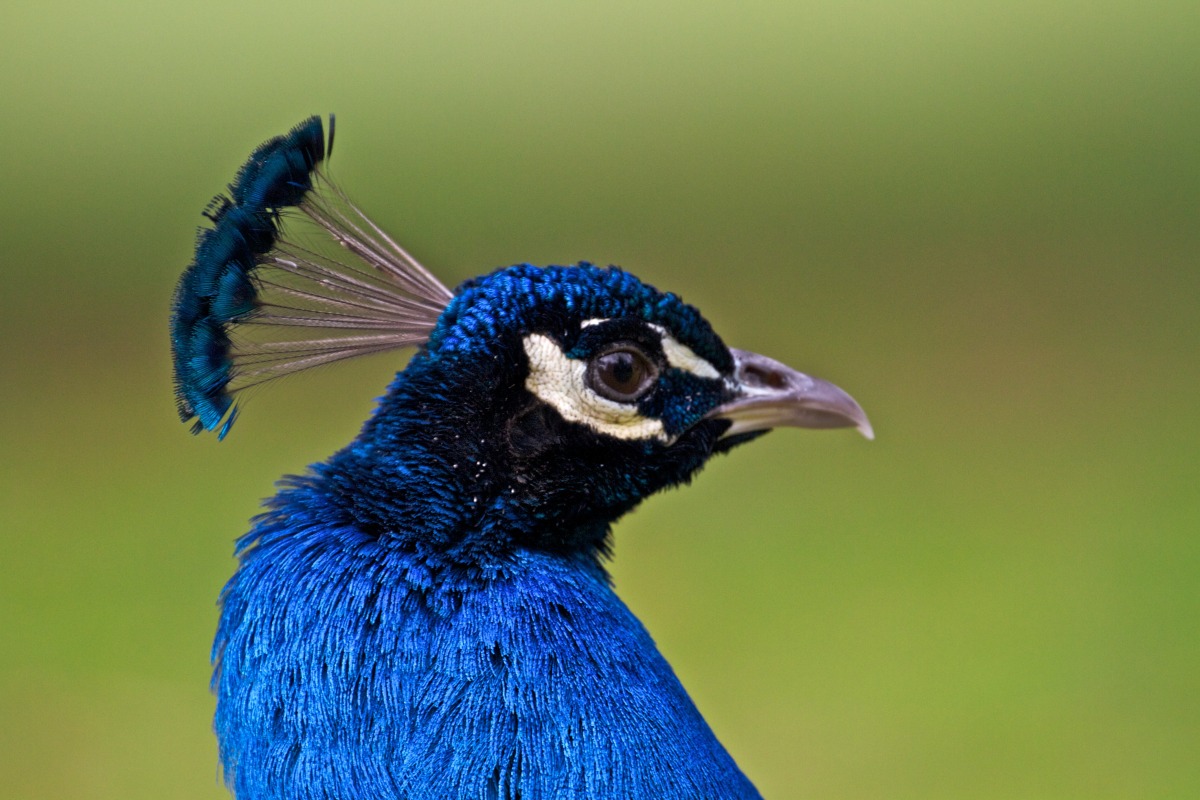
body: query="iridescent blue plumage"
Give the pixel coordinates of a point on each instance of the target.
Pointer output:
(426, 614)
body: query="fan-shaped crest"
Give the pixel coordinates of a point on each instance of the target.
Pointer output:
(260, 300)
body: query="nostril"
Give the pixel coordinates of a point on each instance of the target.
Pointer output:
(759, 377)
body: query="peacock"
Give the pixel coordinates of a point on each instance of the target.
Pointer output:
(426, 614)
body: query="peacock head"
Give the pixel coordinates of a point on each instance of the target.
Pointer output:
(572, 393)
(541, 399)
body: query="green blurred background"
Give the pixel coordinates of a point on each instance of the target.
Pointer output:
(979, 218)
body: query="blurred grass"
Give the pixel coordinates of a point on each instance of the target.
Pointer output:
(981, 220)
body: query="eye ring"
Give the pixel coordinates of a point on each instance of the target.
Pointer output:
(621, 373)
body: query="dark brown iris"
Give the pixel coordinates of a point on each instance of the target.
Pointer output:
(622, 374)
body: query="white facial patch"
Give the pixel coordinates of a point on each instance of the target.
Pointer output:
(682, 357)
(559, 382)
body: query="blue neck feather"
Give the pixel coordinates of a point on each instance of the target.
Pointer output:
(350, 668)
(356, 662)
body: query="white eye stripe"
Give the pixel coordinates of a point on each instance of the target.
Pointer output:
(678, 354)
(559, 382)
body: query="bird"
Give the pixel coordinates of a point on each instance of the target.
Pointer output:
(427, 613)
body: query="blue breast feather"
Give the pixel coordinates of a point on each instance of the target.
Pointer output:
(352, 669)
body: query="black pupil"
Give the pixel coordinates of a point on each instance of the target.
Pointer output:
(622, 371)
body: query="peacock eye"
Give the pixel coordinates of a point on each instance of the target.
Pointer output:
(622, 374)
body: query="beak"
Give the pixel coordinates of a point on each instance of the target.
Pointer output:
(768, 394)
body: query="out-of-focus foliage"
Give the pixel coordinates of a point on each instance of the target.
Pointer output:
(983, 220)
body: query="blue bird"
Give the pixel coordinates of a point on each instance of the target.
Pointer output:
(426, 614)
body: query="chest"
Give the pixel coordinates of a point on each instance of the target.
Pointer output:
(540, 685)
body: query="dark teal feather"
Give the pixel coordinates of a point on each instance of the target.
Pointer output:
(218, 288)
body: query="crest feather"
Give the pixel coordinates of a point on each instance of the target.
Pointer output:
(245, 308)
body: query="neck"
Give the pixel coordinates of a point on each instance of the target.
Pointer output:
(455, 480)
(348, 666)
